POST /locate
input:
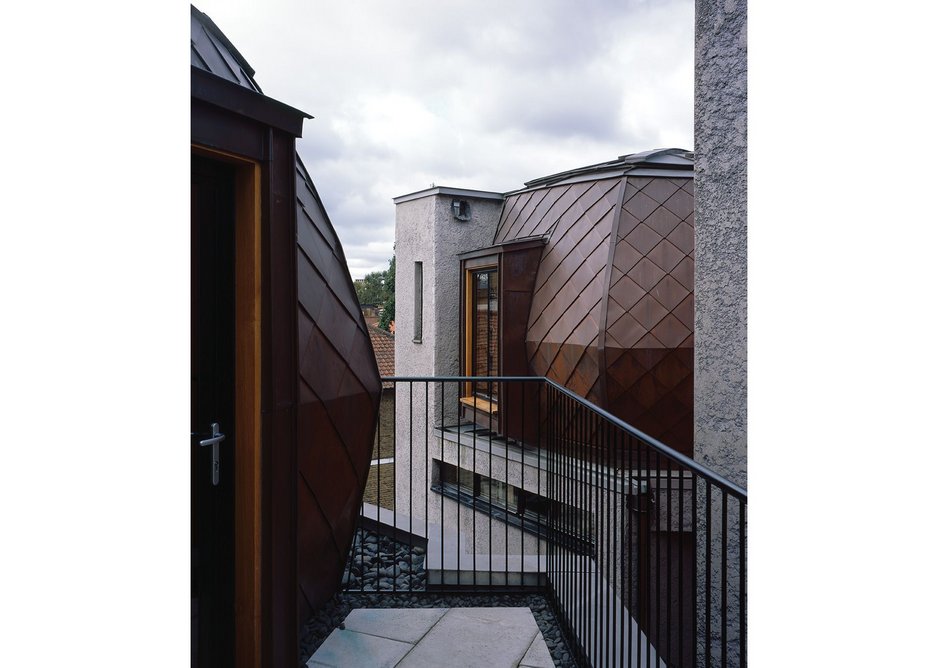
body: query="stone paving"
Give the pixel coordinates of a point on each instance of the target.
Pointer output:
(333, 614)
(379, 563)
(435, 637)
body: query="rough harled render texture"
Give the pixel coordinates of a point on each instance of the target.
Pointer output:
(721, 300)
(427, 231)
(720, 277)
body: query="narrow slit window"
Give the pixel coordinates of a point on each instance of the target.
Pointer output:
(418, 302)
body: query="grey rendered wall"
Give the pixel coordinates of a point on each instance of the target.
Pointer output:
(720, 242)
(720, 296)
(426, 231)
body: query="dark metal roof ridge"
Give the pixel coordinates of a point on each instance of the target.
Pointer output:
(444, 190)
(624, 162)
(650, 155)
(568, 178)
(536, 240)
(226, 94)
(209, 24)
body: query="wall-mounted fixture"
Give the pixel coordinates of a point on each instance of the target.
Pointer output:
(461, 210)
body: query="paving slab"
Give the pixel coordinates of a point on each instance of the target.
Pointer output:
(344, 649)
(538, 655)
(475, 638)
(406, 625)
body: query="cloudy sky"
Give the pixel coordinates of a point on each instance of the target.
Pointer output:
(472, 94)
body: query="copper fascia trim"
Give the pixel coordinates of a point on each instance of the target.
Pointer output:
(505, 247)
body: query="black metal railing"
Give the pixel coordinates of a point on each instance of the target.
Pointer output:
(641, 550)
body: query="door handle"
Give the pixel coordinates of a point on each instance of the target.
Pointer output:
(216, 438)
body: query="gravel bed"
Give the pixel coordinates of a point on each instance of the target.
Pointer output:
(378, 570)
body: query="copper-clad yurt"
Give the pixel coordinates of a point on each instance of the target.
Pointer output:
(608, 251)
(282, 368)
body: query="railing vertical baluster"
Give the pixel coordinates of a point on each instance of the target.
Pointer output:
(645, 530)
(680, 567)
(598, 552)
(442, 500)
(628, 527)
(657, 560)
(593, 504)
(440, 472)
(742, 584)
(427, 474)
(579, 505)
(564, 493)
(494, 480)
(548, 427)
(618, 546)
(696, 580)
(604, 560)
(568, 562)
(669, 538)
(410, 490)
(608, 537)
(708, 583)
(568, 508)
(723, 531)
(519, 503)
(542, 442)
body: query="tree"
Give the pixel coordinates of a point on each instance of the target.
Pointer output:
(378, 288)
(371, 289)
(387, 316)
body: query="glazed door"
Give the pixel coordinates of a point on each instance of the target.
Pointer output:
(212, 362)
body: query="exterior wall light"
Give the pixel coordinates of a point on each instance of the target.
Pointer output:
(461, 210)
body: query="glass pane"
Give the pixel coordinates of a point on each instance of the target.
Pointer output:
(485, 328)
(465, 481)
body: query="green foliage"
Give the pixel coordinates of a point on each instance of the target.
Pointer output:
(378, 288)
(373, 289)
(387, 316)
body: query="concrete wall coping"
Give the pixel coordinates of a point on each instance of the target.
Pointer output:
(443, 190)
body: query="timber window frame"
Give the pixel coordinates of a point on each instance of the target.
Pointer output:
(481, 327)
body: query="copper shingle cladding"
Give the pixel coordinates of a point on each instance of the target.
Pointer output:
(338, 383)
(339, 391)
(612, 313)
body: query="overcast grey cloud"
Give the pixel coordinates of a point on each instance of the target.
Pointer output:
(473, 94)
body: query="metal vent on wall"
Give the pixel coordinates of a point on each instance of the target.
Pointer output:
(461, 210)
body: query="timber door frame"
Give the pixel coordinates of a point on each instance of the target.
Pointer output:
(248, 487)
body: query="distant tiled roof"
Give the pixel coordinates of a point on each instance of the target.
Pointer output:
(383, 343)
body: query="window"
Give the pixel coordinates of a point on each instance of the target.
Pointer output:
(482, 336)
(520, 508)
(418, 302)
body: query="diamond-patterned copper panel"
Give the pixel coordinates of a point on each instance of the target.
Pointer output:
(619, 334)
(649, 379)
(339, 390)
(646, 273)
(566, 310)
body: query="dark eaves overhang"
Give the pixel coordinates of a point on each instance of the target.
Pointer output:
(506, 247)
(220, 92)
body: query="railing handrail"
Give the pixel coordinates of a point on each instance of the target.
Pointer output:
(655, 444)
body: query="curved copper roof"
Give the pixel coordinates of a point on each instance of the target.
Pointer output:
(612, 313)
